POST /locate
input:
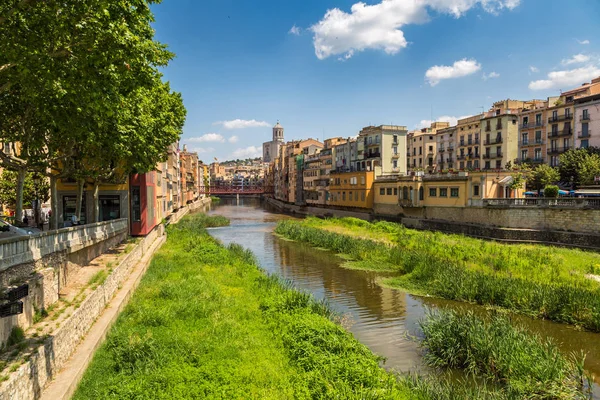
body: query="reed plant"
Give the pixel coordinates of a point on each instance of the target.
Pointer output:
(522, 364)
(489, 277)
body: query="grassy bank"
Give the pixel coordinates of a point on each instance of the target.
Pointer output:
(540, 281)
(206, 322)
(521, 364)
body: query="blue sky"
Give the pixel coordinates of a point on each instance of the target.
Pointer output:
(241, 67)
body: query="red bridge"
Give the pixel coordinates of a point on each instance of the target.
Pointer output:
(234, 190)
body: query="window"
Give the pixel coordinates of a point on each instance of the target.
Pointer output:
(523, 155)
(389, 191)
(567, 112)
(430, 148)
(432, 192)
(109, 207)
(487, 165)
(498, 164)
(585, 129)
(538, 137)
(585, 115)
(395, 150)
(525, 121)
(395, 164)
(420, 150)
(421, 193)
(475, 190)
(350, 196)
(362, 180)
(355, 196)
(585, 144)
(538, 154)
(69, 208)
(395, 191)
(538, 119)
(554, 115)
(382, 191)
(362, 196)
(343, 196)
(443, 192)
(136, 204)
(395, 139)
(453, 192)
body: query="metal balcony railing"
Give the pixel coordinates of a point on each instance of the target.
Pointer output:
(560, 118)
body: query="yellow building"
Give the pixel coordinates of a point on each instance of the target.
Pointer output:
(468, 135)
(422, 147)
(351, 189)
(461, 189)
(500, 129)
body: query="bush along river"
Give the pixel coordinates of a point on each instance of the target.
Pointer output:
(386, 318)
(227, 309)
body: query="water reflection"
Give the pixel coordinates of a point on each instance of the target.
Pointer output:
(381, 317)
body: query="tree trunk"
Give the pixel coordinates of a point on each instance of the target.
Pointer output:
(96, 205)
(53, 220)
(19, 203)
(78, 206)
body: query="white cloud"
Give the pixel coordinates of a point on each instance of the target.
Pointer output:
(583, 41)
(576, 59)
(491, 75)
(233, 139)
(242, 124)
(377, 26)
(248, 152)
(294, 30)
(534, 69)
(426, 123)
(459, 69)
(208, 137)
(564, 79)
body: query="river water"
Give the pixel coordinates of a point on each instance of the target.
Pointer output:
(383, 319)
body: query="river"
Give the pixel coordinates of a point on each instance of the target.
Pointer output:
(383, 319)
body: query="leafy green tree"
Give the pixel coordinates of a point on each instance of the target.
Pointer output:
(544, 175)
(36, 187)
(551, 191)
(66, 68)
(579, 166)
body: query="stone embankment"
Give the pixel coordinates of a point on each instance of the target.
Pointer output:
(91, 319)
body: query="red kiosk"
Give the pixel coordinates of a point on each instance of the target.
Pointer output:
(142, 195)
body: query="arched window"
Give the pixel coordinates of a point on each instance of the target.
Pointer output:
(421, 193)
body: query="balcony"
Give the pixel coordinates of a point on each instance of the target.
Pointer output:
(564, 132)
(496, 140)
(372, 155)
(560, 118)
(559, 149)
(530, 160)
(531, 125)
(395, 155)
(441, 150)
(451, 147)
(488, 156)
(585, 117)
(584, 135)
(461, 157)
(450, 160)
(499, 126)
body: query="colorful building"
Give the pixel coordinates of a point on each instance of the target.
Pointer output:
(446, 144)
(468, 150)
(532, 133)
(500, 131)
(352, 189)
(422, 148)
(382, 148)
(587, 115)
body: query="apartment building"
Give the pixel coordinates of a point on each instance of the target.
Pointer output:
(382, 146)
(446, 144)
(587, 115)
(289, 169)
(346, 154)
(560, 126)
(532, 133)
(311, 178)
(500, 130)
(352, 189)
(189, 175)
(422, 147)
(468, 150)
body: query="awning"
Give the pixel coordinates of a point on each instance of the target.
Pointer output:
(506, 181)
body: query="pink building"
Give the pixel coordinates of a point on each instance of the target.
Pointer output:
(587, 117)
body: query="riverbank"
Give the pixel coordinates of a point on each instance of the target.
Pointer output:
(540, 281)
(207, 322)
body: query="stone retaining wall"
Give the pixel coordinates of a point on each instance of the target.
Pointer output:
(31, 377)
(317, 211)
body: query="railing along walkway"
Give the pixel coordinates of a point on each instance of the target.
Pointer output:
(23, 249)
(568, 202)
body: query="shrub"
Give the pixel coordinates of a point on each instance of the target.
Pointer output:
(551, 191)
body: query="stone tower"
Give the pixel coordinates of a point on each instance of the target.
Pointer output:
(278, 132)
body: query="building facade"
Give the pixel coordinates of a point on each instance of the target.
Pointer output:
(500, 131)
(446, 145)
(382, 146)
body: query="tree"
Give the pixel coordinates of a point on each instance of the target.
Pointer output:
(579, 166)
(36, 187)
(544, 175)
(66, 68)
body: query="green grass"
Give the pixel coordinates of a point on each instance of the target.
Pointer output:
(522, 364)
(98, 278)
(215, 199)
(540, 281)
(206, 322)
